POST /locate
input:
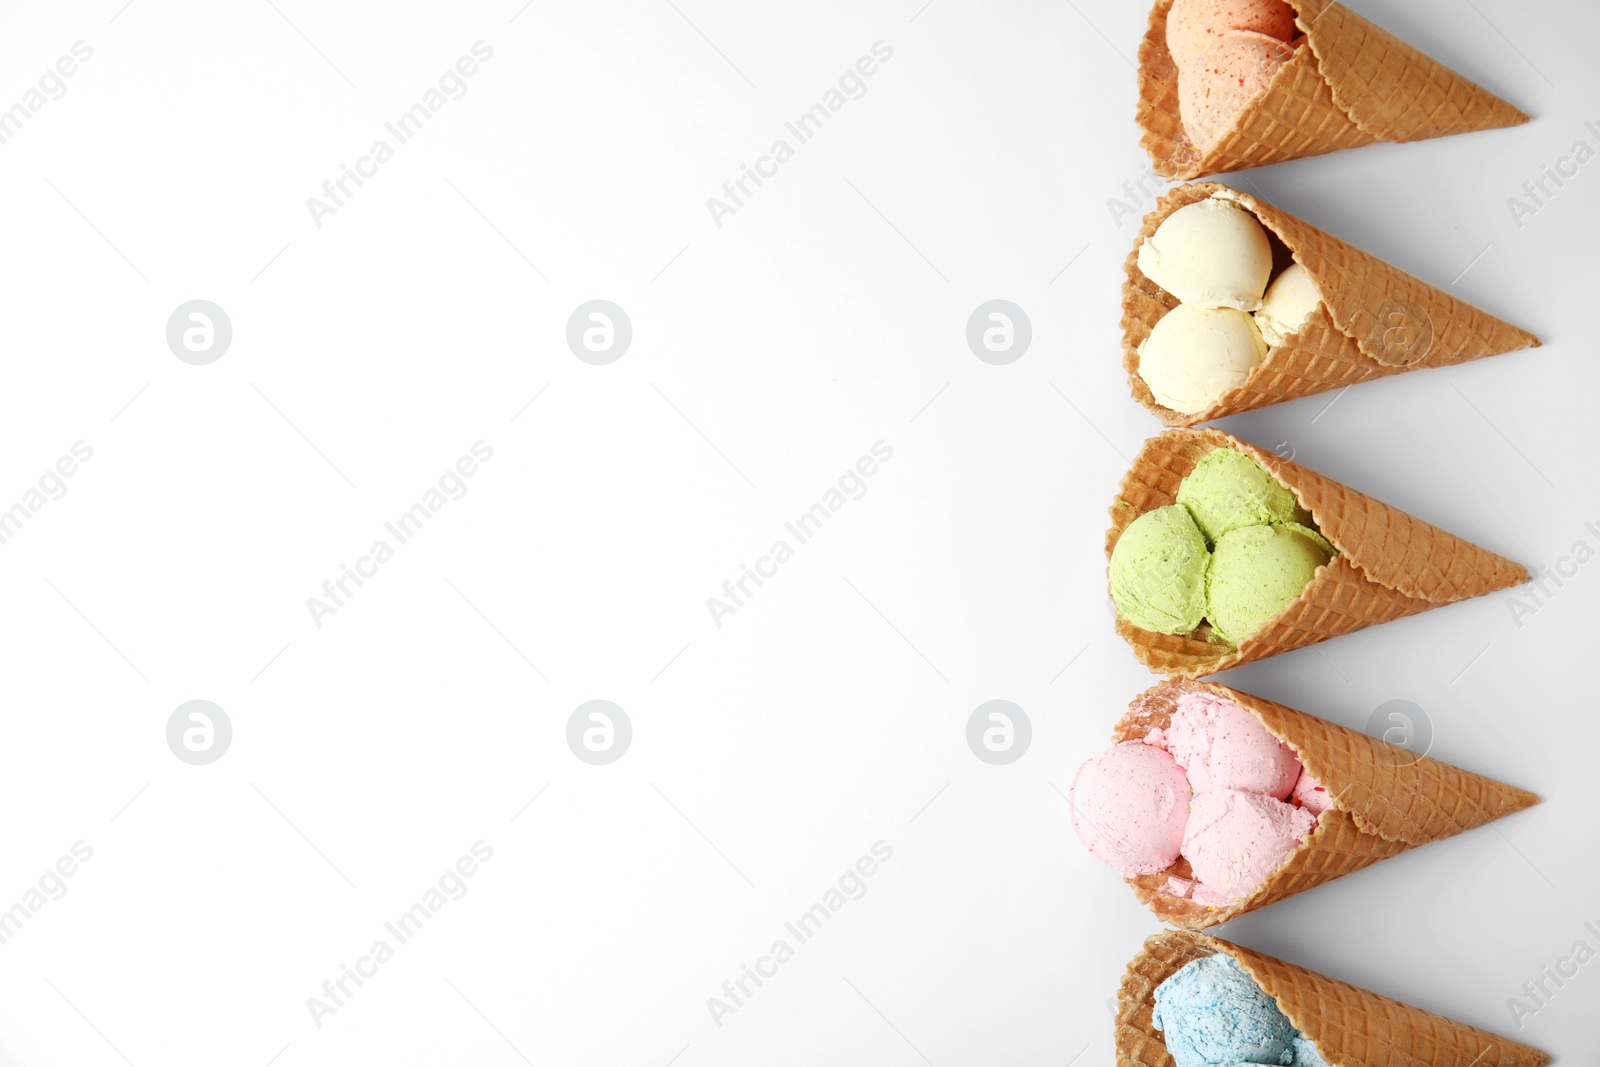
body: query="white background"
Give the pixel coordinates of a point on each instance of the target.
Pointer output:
(768, 354)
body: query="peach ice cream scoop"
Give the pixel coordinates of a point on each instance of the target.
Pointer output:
(1221, 746)
(1129, 807)
(1193, 26)
(1233, 71)
(1234, 841)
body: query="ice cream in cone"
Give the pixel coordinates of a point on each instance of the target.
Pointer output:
(1377, 801)
(1328, 316)
(1345, 1025)
(1384, 564)
(1334, 81)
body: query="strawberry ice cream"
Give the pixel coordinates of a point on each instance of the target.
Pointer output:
(1192, 890)
(1129, 808)
(1215, 788)
(1235, 840)
(1311, 794)
(1219, 745)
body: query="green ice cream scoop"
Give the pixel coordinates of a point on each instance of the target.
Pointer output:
(1256, 571)
(1228, 490)
(1158, 572)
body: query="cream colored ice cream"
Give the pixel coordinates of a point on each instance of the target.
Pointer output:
(1195, 355)
(1212, 253)
(1290, 300)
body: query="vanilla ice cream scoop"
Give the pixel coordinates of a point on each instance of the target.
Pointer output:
(1196, 354)
(1290, 300)
(1212, 253)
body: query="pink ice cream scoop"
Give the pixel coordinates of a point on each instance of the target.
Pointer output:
(1311, 794)
(1221, 82)
(1188, 890)
(1129, 808)
(1219, 745)
(1235, 840)
(1193, 26)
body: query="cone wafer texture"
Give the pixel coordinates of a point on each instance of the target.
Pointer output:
(1385, 800)
(1351, 1026)
(1375, 320)
(1390, 564)
(1350, 84)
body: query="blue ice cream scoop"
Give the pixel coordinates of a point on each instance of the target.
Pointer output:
(1212, 1013)
(1306, 1053)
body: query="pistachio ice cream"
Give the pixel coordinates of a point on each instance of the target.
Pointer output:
(1233, 552)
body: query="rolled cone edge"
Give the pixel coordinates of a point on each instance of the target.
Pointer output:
(1392, 89)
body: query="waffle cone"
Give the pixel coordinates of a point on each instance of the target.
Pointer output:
(1350, 1026)
(1350, 84)
(1385, 800)
(1375, 319)
(1390, 564)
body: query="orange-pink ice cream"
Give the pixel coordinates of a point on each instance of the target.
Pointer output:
(1226, 52)
(1193, 26)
